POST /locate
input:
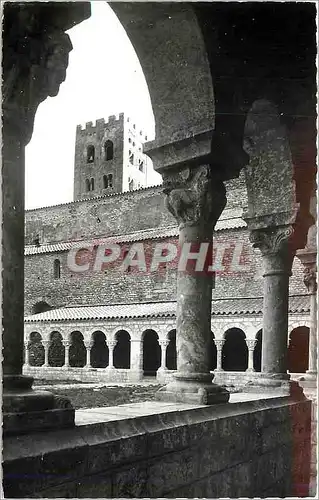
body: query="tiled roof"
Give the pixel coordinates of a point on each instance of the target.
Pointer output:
(297, 304)
(147, 234)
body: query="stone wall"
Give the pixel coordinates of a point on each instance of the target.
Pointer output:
(244, 449)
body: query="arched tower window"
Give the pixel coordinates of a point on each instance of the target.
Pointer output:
(90, 154)
(108, 150)
(92, 184)
(57, 269)
(87, 185)
(107, 181)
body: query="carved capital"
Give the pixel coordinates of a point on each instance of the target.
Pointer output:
(88, 344)
(310, 279)
(251, 344)
(194, 197)
(111, 344)
(34, 66)
(163, 343)
(66, 343)
(219, 344)
(272, 240)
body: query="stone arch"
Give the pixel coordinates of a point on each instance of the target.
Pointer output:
(151, 352)
(56, 349)
(235, 351)
(36, 349)
(178, 78)
(41, 306)
(171, 354)
(77, 352)
(122, 350)
(238, 326)
(99, 350)
(257, 351)
(297, 324)
(298, 349)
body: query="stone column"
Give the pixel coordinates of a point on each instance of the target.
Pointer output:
(88, 346)
(136, 362)
(46, 345)
(26, 351)
(310, 280)
(67, 345)
(163, 344)
(251, 343)
(29, 76)
(219, 348)
(111, 344)
(277, 255)
(196, 199)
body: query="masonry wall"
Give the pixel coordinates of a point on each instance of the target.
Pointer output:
(252, 449)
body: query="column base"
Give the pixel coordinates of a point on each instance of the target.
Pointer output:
(193, 389)
(277, 383)
(26, 410)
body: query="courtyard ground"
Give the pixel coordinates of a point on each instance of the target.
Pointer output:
(97, 395)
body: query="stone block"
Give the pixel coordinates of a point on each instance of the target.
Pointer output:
(275, 436)
(64, 490)
(166, 440)
(95, 486)
(130, 482)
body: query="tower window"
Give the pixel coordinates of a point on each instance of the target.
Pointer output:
(107, 181)
(90, 154)
(92, 184)
(57, 269)
(141, 166)
(108, 150)
(87, 185)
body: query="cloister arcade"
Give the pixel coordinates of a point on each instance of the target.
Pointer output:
(133, 350)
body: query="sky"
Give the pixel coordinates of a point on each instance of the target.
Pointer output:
(104, 77)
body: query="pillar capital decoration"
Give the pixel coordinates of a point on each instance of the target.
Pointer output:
(163, 343)
(88, 344)
(310, 278)
(251, 344)
(32, 72)
(66, 343)
(194, 196)
(277, 247)
(111, 344)
(219, 344)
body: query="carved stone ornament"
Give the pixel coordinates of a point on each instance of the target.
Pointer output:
(194, 197)
(34, 66)
(310, 279)
(272, 240)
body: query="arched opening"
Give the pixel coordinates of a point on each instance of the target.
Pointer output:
(77, 353)
(40, 307)
(56, 350)
(92, 184)
(36, 350)
(171, 354)
(122, 350)
(235, 351)
(87, 185)
(99, 351)
(151, 353)
(90, 154)
(107, 181)
(213, 353)
(57, 269)
(257, 351)
(298, 350)
(108, 150)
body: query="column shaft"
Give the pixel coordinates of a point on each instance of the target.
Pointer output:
(313, 335)
(66, 355)
(46, 345)
(251, 346)
(136, 362)
(219, 349)
(27, 357)
(88, 356)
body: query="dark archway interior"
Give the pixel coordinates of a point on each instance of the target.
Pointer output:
(77, 353)
(36, 350)
(235, 352)
(298, 350)
(151, 353)
(40, 307)
(122, 350)
(56, 350)
(257, 351)
(171, 362)
(99, 351)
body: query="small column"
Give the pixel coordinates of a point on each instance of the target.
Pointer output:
(196, 199)
(310, 281)
(251, 343)
(27, 357)
(46, 345)
(88, 346)
(277, 253)
(219, 348)
(67, 345)
(136, 362)
(111, 344)
(163, 344)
